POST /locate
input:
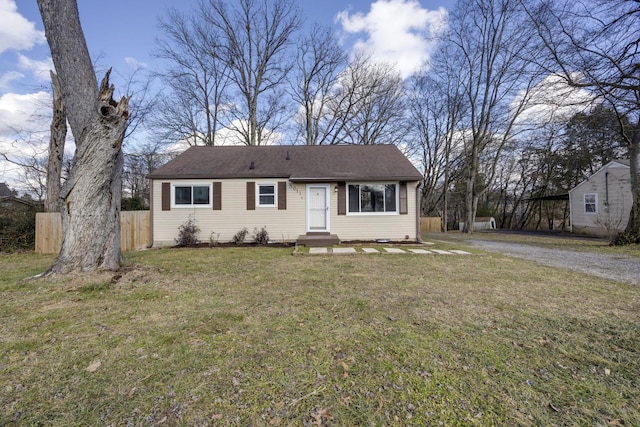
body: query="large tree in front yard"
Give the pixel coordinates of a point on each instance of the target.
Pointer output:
(90, 197)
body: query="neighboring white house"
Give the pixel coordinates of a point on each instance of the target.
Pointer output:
(600, 205)
(346, 192)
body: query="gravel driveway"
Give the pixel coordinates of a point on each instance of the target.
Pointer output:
(616, 267)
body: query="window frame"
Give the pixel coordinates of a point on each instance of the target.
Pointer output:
(594, 203)
(191, 205)
(384, 200)
(274, 185)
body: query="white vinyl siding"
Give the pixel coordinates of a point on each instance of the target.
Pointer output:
(282, 225)
(376, 226)
(608, 191)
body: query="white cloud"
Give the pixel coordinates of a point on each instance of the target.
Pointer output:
(39, 69)
(24, 113)
(134, 63)
(553, 100)
(16, 32)
(24, 133)
(7, 78)
(400, 32)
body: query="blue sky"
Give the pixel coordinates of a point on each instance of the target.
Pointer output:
(121, 34)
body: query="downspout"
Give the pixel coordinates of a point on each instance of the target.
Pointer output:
(150, 245)
(606, 191)
(418, 211)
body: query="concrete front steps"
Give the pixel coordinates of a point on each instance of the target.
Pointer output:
(314, 240)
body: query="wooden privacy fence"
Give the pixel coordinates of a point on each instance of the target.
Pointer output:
(431, 224)
(134, 231)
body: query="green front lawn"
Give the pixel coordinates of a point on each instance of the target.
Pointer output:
(256, 336)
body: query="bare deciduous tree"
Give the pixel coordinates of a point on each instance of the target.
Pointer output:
(368, 106)
(27, 156)
(491, 43)
(435, 109)
(318, 64)
(255, 37)
(594, 45)
(91, 195)
(197, 79)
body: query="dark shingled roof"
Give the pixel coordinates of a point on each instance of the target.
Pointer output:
(295, 162)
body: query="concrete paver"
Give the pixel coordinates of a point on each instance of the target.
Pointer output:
(394, 251)
(315, 251)
(370, 250)
(441, 252)
(344, 250)
(420, 251)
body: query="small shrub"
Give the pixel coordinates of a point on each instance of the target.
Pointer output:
(239, 237)
(622, 239)
(261, 237)
(188, 233)
(214, 238)
(17, 226)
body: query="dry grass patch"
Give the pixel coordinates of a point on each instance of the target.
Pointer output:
(255, 336)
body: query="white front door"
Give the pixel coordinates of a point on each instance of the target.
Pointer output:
(317, 207)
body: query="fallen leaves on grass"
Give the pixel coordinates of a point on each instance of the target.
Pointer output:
(320, 417)
(93, 366)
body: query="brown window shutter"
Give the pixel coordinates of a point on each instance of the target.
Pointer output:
(217, 196)
(404, 209)
(282, 195)
(166, 196)
(342, 198)
(251, 196)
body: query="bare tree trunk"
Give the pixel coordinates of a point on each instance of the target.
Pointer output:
(56, 148)
(632, 232)
(469, 199)
(91, 195)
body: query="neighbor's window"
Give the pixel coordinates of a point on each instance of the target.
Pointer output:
(591, 203)
(191, 195)
(373, 198)
(266, 195)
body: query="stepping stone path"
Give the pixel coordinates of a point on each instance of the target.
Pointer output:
(337, 251)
